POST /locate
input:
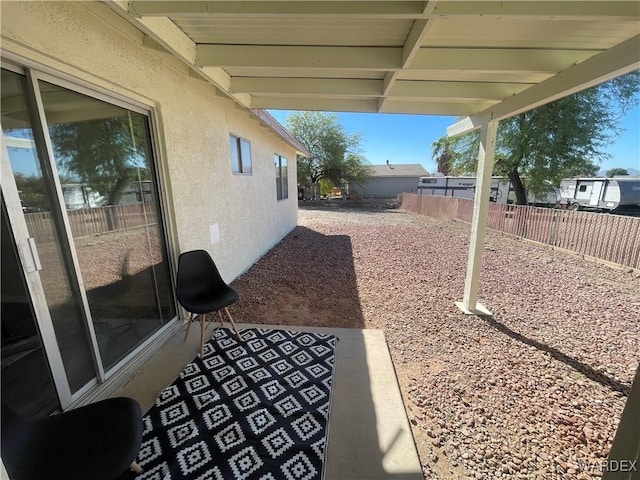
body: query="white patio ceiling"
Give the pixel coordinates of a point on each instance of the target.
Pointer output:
(460, 58)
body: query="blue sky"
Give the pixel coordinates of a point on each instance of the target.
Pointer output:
(408, 138)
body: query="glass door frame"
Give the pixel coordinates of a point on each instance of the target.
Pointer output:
(19, 227)
(157, 171)
(19, 230)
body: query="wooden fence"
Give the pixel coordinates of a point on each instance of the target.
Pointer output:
(614, 238)
(92, 221)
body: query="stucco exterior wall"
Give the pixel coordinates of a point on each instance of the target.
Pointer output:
(89, 43)
(388, 186)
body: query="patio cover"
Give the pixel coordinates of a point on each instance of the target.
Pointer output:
(481, 60)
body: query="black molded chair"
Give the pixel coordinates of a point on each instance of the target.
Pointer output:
(201, 290)
(97, 441)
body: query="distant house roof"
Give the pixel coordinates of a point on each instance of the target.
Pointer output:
(399, 170)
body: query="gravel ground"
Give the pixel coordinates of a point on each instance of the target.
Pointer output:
(534, 393)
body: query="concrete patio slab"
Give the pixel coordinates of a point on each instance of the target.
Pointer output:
(369, 433)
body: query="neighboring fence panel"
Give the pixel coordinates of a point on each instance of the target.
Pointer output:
(439, 207)
(613, 238)
(411, 203)
(92, 221)
(41, 226)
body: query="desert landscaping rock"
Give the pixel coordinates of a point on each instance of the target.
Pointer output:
(536, 392)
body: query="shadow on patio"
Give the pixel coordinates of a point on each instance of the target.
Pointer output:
(369, 434)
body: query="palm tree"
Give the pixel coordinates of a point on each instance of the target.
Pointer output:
(443, 154)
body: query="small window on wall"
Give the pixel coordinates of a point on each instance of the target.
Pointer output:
(282, 183)
(240, 155)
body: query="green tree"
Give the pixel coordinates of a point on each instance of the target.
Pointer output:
(32, 194)
(617, 171)
(443, 154)
(566, 138)
(326, 187)
(335, 154)
(104, 153)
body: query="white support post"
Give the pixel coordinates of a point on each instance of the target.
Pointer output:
(469, 304)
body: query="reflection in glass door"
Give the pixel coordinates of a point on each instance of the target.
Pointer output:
(84, 174)
(39, 206)
(102, 155)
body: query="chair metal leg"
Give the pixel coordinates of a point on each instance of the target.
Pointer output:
(136, 468)
(188, 326)
(203, 319)
(233, 324)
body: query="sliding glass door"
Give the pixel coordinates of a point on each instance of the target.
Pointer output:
(83, 171)
(102, 156)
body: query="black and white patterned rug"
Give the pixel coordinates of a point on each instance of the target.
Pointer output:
(255, 409)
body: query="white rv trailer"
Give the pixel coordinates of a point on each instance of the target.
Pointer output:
(463, 187)
(601, 193)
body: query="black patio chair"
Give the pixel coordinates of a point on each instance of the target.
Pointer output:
(98, 441)
(201, 291)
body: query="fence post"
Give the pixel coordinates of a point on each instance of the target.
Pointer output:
(554, 227)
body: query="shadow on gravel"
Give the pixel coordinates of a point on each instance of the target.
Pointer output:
(577, 365)
(293, 283)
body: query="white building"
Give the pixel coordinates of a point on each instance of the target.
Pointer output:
(389, 180)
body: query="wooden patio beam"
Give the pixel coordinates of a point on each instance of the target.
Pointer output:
(566, 10)
(273, 9)
(410, 49)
